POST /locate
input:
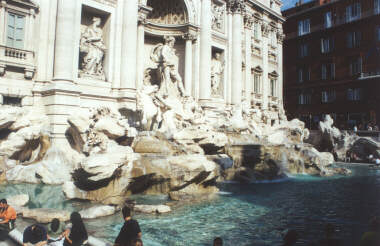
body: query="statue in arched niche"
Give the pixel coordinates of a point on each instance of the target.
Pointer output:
(217, 68)
(92, 45)
(170, 80)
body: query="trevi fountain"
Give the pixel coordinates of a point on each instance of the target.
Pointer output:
(174, 108)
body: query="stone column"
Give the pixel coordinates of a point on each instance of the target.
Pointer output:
(129, 47)
(237, 7)
(265, 79)
(188, 62)
(229, 58)
(280, 38)
(143, 12)
(248, 22)
(205, 52)
(65, 40)
(3, 3)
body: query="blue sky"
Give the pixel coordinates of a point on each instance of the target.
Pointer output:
(290, 3)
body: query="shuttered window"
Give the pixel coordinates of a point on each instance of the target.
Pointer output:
(15, 30)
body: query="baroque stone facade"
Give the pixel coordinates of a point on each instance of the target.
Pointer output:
(69, 55)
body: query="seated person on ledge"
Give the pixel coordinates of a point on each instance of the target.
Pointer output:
(34, 235)
(8, 216)
(55, 232)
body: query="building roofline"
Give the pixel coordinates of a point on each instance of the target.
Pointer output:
(266, 9)
(308, 9)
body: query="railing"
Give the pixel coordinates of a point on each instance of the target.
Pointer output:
(257, 97)
(16, 56)
(368, 75)
(334, 23)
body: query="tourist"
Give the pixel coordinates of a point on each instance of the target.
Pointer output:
(130, 230)
(218, 241)
(55, 232)
(290, 238)
(348, 156)
(329, 239)
(8, 216)
(34, 235)
(377, 162)
(372, 237)
(76, 233)
(137, 242)
(355, 129)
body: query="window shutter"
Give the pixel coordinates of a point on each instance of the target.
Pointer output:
(10, 29)
(19, 33)
(324, 71)
(359, 13)
(333, 70)
(299, 28)
(348, 13)
(349, 40)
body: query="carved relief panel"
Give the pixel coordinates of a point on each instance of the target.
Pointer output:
(218, 10)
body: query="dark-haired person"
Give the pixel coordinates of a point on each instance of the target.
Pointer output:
(218, 241)
(34, 235)
(76, 234)
(130, 230)
(372, 237)
(55, 232)
(8, 216)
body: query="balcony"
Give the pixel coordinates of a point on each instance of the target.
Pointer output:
(370, 75)
(18, 58)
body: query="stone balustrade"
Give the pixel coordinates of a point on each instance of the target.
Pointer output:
(17, 58)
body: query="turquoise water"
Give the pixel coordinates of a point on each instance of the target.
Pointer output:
(252, 214)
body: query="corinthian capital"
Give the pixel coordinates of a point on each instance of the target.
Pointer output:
(248, 21)
(189, 36)
(236, 6)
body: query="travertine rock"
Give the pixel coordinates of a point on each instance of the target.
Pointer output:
(97, 211)
(150, 209)
(18, 200)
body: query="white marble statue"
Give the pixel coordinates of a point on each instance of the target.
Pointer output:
(171, 81)
(93, 46)
(217, 67)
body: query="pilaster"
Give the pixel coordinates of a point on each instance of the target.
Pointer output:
(188, 61)
(248, 22)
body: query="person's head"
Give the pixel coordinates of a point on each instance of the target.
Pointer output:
(217, 56)
(291, 237)
(75, 218)
(329, 230)
(38, 231)
(126, 211)
(54, 224)
(137, 242)
(218, 241)
(3, 203)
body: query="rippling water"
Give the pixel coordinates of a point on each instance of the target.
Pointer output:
(257, 214)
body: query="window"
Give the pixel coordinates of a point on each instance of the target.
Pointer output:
(15, 30)
(353, 12)
(13, 101)
(354, 94)
(304, 98)
(303, 74)
(303, 27)
(356, 66)
(328, 20)
(326, 45)
(257, 83)
(273, 87)
(303, 50)
(328, 71)
(353, 39)
(328, 96)
(376, 6)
